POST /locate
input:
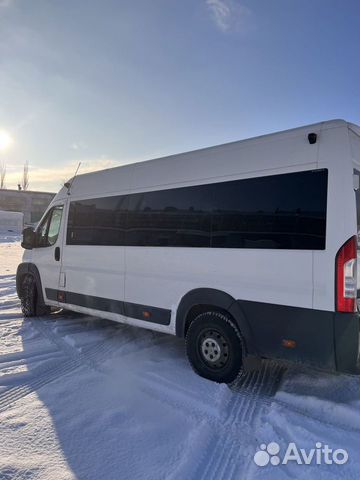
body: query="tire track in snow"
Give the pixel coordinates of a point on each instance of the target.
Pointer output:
(229, 443)
(242, 401)
(6, 304)
(258, 390)
(57, 340)
(244, 409)
(147, 342)
(8, 278)
(90, 356)
(225, 434)
(110, 343)
(9, 317)
(7, 289)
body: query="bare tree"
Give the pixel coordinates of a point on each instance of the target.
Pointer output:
(2, 174)
(25, 177)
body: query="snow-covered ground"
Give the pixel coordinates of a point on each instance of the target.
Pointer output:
(86, 398)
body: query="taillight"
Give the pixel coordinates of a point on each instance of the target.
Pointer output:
(346, 276)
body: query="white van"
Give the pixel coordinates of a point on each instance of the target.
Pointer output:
(248, 250)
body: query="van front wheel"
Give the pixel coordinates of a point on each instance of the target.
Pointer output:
(214, 347)
(30, 305)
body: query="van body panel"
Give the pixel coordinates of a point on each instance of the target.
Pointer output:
(354, 138)
(240, 159)
(95, 270)
(157, 275)
(334, 154)
(310, 329)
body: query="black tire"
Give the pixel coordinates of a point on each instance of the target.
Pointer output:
(214, 347)
(28, 296)
(30, 304)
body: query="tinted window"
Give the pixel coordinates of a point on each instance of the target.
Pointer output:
(280, 211)
(99, 221)
(173, 218)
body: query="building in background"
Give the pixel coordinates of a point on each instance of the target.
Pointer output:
(11, 222)
(31, 204)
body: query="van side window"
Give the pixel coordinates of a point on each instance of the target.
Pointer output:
(48, 231)
(99, 221)
(285, 211)
(170, 218)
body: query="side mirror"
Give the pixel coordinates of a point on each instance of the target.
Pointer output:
(29, 238)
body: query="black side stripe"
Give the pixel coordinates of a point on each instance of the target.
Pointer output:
(132, 310)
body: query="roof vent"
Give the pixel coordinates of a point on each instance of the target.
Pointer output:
(312, 138)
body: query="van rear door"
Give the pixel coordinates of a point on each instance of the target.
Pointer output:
(357, 197)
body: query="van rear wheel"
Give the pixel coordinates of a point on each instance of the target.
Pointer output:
(214, 347)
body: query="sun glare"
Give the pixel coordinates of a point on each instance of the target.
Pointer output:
(6, 140)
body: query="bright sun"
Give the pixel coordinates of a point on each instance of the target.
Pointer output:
(6, 140)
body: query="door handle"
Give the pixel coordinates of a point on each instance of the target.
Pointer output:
(57, 254)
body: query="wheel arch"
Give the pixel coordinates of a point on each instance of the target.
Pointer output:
(25, 269)
(202, 299)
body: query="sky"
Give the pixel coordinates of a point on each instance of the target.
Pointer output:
(108, 82)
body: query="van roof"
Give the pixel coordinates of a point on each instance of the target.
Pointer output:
(320, 125)
(317, 127)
